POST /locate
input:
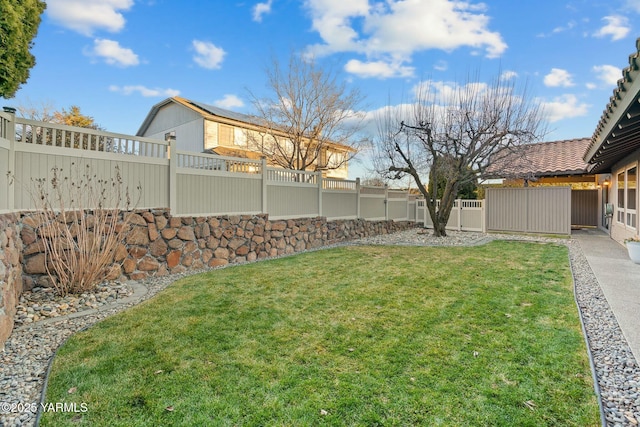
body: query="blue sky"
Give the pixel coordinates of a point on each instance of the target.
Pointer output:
(117, 58)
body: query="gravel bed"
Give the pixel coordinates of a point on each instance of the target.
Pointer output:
(44, 303)
(25, 360)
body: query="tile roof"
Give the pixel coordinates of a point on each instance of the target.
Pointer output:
(542, 159)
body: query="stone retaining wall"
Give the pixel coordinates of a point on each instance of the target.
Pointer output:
(10, 272)
(157, 244)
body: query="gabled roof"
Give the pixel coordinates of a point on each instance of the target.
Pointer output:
(554, 158)
(208, 111)
(211, 112)
(618, 132)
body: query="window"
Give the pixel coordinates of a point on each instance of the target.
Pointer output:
(225, 135)
(631, 197)
(620, 187)
(626, 212)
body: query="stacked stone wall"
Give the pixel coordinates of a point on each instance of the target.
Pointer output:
(158, 244)
(10, 272)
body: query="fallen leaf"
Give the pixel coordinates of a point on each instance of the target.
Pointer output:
(159, 371)
(412, 379)
(351, 350)
(72, 390)
(508, 315)
(475, 354)
(323, 412)
(530, 404)
(169, 408)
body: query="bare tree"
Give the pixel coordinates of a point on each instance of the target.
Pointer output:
(451, 133)
(310, 119)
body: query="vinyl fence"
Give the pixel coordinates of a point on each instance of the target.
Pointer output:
(529, 210)
(466, 215)
(198, 184)
(189, 184)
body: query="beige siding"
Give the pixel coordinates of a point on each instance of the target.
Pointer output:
(619, 230)
(529, 210)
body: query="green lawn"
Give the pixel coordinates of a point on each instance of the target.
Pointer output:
(354, 336)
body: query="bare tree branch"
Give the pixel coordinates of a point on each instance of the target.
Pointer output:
(312, 118)
(452, 134)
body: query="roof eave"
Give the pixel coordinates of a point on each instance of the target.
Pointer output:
(623, 98)
(152, 113)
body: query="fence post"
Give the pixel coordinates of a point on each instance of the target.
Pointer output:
(357, 198)
(386, 202)
(11, 136)
(173, 174)
(483, 216)
(459, 214)
(319, 193)
(264, 185)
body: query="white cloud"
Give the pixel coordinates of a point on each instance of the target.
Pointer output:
(608, 74)
(144, 91)
(558, 77)
(616, 26)
(229, 102)
(87, 16)
(114, 54)
(379, 69)
(564, 107)
(508, 75)
(261, 9)
(394, 30)
(208, 55)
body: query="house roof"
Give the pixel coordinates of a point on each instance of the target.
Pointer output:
(200, 108)
(618, 131)
(211, 112)
(542, 159)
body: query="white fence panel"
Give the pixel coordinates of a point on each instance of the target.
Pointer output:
(466, 215)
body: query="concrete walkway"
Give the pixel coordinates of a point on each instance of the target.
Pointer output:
(619, 279)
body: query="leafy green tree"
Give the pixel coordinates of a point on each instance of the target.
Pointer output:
(19, 22)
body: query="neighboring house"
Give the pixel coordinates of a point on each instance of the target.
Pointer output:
(201, 128)
(614, 151)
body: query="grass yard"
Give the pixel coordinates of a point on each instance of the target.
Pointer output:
(353, 336)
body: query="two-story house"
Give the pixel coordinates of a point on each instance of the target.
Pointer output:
(200, 128)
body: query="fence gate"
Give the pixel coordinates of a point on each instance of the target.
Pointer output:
(584, 207)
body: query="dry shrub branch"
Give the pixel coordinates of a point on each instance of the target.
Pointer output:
(82, 219)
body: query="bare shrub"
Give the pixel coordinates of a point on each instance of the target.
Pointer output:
(81, 219)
